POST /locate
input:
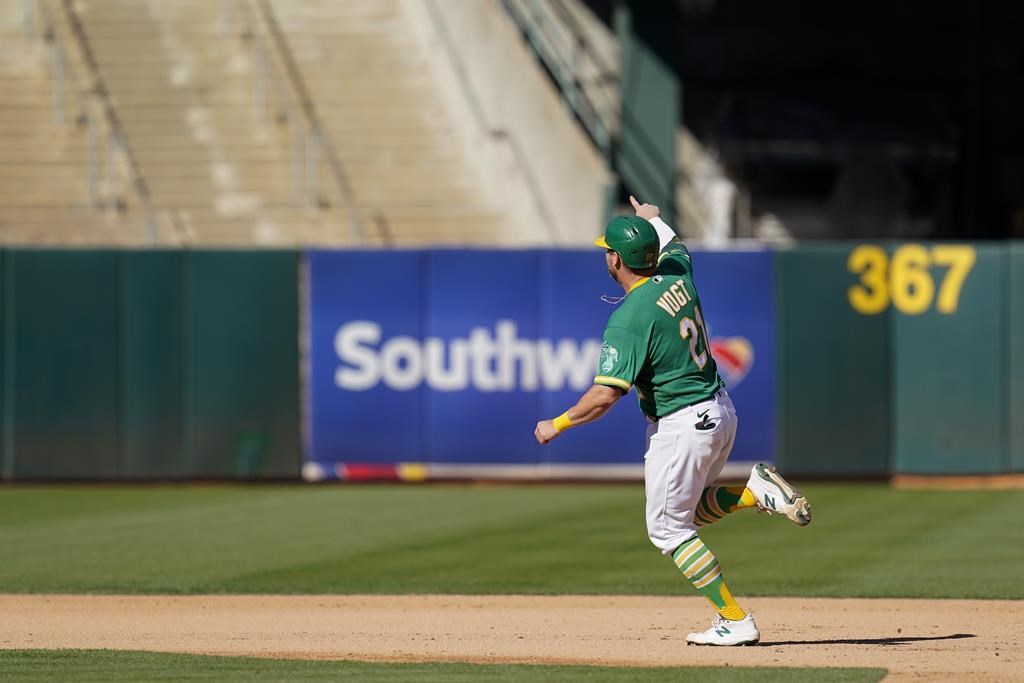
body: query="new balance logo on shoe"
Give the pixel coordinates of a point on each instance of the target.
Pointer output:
(726, 633)
(774, 494)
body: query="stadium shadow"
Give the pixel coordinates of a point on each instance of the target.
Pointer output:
(898, 640)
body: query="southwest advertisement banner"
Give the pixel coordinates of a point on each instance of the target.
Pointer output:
(438, 363)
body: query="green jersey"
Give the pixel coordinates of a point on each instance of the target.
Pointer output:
(657, 340)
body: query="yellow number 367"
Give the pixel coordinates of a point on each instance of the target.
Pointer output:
(906, 279)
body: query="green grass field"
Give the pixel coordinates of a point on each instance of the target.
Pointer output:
(865, 541)
(108, 665)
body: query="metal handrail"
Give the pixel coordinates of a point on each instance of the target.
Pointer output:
(119, 139)
(318, 141)
(498, 135)
(58, 60)
(535, 20)
(60, 74)
(606, 77)
(570, 20)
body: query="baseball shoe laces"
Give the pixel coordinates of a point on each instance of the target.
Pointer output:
(773, 494)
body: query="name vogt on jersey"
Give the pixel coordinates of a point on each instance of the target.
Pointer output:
(674, 298)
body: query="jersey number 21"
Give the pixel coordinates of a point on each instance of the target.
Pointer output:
(688, 329)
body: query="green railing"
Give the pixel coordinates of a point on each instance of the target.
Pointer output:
(589, 85)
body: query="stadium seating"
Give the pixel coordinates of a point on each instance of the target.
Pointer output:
(43, 186)
(212, 115)
(183, 90)
(382, 111)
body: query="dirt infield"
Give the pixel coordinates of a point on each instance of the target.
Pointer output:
(914, 639)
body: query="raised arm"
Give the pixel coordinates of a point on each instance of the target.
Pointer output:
(653, 214)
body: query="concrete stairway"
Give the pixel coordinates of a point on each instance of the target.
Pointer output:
(379, 106)
(182, 88)
(217, 172)
(43, 188)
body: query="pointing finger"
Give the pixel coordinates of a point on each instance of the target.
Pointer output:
(634, 202)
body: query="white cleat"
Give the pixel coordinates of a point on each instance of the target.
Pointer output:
(725, 632)
(772, 493)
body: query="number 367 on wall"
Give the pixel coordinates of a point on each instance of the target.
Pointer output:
(906, 279)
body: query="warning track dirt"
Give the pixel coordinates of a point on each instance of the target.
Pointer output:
(913, 639)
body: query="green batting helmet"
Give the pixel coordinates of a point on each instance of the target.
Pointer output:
(634, 239)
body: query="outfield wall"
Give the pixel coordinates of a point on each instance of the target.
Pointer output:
(149, 364)
(1015, 356)
(440, 362)
(834, 414)
(901, 358)
(843, 359)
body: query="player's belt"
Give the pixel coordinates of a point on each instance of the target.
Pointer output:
(717, 395)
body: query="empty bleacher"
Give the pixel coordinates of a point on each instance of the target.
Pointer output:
(378, 104)
(239, 122)
(44, 190)
(182, 87)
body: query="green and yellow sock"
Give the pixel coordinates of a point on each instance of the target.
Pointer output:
(700, 566)
(718, 501)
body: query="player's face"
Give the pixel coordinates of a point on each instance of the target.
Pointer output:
(611, 260)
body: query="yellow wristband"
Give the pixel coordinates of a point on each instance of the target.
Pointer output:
(562, 422)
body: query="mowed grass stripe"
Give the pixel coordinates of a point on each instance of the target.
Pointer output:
(113, 665)
(865, 541)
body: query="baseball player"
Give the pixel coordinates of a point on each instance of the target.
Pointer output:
(657, 343)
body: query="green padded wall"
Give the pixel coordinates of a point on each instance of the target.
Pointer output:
(651, 94)
(948, 377)
(1015, 406)
(63, 364)
(241, 368)
(150, 382)
(832, 369)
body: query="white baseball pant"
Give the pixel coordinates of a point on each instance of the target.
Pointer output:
(680, 461)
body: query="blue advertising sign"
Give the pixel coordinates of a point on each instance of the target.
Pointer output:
(737, 297)
(435, 362)
(365, 401)
(573, 309)
(482, 311)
